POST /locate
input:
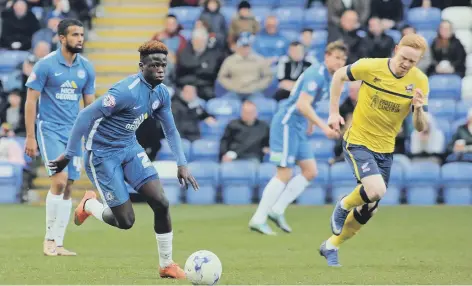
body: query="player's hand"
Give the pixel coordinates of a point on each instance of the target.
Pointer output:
(335, 121)
(31, 147)
(185, 178)
(418, 99)
(58, 164)
(331, 133)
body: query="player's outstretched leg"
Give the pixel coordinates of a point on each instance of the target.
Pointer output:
(355, 220)
(270, 195)
(154, 194)
(64, 209)
(294, 189)
(372, 189)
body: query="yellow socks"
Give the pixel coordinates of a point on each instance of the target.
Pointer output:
(351, 227)
(356, 198)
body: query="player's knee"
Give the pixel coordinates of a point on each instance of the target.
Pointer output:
(284, 174)
(375, 188)
(160, 203)
(126, 222)
(310, 173)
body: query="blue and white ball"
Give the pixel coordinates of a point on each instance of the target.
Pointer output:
(203, 268)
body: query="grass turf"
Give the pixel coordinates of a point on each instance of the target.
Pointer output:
(401, 245)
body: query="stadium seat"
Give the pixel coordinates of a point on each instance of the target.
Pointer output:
(228, 12)
(422, 182)
(429, 35)
(206, 195)
(424, 18)
(237, 195)
(173, 194)
(402, 160)
(342, 180)
(9, 60)
(205, 150)
(395, 185)
(338, 192)
(445, 127)
(442, 109)
(395, 34)
(462, 108)
(263, 3)
(465, 36)
(457, 182)
(457, 195)
(214, 131)
(445, 87)
(205, 172)
(316, 18)
(167, 171)
(292, 3)
(323, 149)
(467, 88)
(266, 172)
(289, 18)
(261, 13)
(290, 35)
(313, 195)
(186, 15)
(460, 17)
(320, 39)
(238, 173)
(165, 153)
(223, 108)
(392, 196)
(11, 179)
(266, 107)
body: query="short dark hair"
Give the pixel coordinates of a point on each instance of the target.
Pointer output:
(65, 24)
(307, 30)
(170, 15)
(152, 47)
(295, 43)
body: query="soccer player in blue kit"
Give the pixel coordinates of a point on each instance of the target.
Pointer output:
(289, 144)
(59, 80)
(114, 156)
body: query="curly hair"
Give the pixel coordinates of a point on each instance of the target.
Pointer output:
(152, 47)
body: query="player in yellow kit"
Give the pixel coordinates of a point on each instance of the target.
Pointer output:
(391, 89)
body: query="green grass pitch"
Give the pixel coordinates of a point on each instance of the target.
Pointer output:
(401, 245)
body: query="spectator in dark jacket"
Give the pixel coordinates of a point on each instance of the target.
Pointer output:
(215, 20)
(448, 52)
(336, 9)
(389, 11)
(246, 138)
(18, 27)
(377, 44)
(441, 4)
(198, 65)
(48, 34)
(188, 113)
(349, 33)
(460, 147)
(12, 113)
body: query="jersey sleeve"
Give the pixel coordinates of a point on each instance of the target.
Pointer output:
(359, 69)
(89, 87)
(113, 102)
(38, 77)
(312, 83)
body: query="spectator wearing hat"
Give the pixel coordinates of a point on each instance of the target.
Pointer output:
(245, 74)
(244, 21)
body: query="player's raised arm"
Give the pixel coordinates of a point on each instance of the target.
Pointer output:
(420, 106)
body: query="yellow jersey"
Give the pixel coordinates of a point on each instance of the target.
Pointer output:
(383, 103)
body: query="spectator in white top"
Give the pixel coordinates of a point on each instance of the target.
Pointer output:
(430, 143)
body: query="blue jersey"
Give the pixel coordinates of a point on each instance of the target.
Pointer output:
(61, 86)
(110, 123)
(314, 81)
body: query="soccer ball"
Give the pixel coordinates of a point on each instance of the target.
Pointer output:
(203, 268)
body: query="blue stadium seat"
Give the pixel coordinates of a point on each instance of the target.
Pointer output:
(313, 195)
(337, 192)
(323, 149)
(342, 180)
(396, 183)
(261, 13)
(186, 15)
(173, 194)
(445, 87)
(228, 12)
(238, 173)
(462, 108)
(206, 195)
(214, 131)
(290, 35)
(38, 12)
(263, 3)
(224, 108)
(320, 40)
(316, 18)
(237, 195)
(292, 3)
(457, 181)
(165, 153)
(392, 196)
(402, 160)
(395, 34)
(422, 182)
(205, 150)
(424, 18)
(289, 18)
(11, 179)
(9, 60)
(266, 172)
(429, 35)
(266, 107)
(205, 172)
(445, 127)
(442, 109)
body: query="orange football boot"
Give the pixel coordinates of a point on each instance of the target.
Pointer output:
(80, 214)
(172, 271)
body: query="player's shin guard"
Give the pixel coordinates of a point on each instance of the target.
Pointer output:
(354, 221)
(52, 202)
(164, 246)
(294, 189)
(64, 209)
(356, 198)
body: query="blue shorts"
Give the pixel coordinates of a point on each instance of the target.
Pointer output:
(365, 162)
(52, 140)
(109, 173)
(288, 144)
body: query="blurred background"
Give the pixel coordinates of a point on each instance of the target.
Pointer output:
(223, 53)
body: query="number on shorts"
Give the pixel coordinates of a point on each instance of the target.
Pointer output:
(77, 163)
(145, 159)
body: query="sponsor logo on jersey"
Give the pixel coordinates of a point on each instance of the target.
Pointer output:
(382, 104)
(137, 122)
(68, 91)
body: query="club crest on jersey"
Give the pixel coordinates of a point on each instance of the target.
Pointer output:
(109, 101)
(32, 77)
(155, 104)
(81, 73)
(409, 88)
(312, 85)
